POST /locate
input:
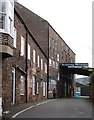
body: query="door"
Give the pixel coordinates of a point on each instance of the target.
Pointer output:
(13, 87)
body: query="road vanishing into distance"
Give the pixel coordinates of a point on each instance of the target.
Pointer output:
(60, 108)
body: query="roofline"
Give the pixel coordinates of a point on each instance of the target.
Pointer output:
(48, 24)
(61, 38)
(15, 10)
(31, 11)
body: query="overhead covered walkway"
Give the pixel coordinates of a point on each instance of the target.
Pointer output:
(72, 68)
(65, 87)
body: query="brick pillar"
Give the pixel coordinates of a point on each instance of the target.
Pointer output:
(59, 89)
(92, 92)
(0, 85)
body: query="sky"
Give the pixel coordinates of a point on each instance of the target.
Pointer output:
(72, 19)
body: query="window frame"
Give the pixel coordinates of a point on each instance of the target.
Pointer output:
(29, 51)
(22, 50)
(46, 68)
(2, 22)
(44, 88)
(50, 62)
(38, 61)
(41, 64)
(3, 14)
(22, 85)
(34, 86)
(34, 56)
(15, 37)
(58, 57)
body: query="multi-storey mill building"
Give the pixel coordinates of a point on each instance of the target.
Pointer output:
(59, 52)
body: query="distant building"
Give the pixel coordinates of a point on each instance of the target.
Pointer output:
(82, 90)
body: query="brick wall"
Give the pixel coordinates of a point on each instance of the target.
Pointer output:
(19, 63)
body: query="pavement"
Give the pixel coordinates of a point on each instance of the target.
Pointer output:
(16, 109)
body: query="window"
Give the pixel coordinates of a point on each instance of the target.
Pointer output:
(66, 49)
(50, 62)
(62, 43)
(34, 56)
(37, 87)
(55, 47)
(41, 84)
(41, 64)
(44, 89)
(62, 54)
(15, 35)
(78, 89)
(58, 76)
(53, 44)
(33, 85)
(22, 46)
(2, 21)
(56, 65)
(38, 61)
(53, 64)
(28, 51)
(58, 57)
(2, 14)
(22, 85)
(45, 68)
(2, 6)
(7, 16)
(50, 43)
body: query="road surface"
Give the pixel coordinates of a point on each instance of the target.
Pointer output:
(60, 108)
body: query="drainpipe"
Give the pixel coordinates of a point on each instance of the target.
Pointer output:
(47, 78)
(48, 67)
(26, 65)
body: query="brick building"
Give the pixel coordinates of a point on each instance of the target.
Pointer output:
(24, 63)
(31, 52)
(59, 52)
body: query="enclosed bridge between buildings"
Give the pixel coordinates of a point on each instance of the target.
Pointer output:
(65, 87)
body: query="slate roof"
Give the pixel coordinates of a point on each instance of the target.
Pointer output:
(37, 26)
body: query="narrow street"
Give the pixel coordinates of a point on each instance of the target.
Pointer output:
(60, 108)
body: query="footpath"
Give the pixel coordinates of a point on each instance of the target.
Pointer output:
(18, 109)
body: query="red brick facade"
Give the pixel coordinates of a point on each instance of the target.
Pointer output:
(19, 63)
(30, 74)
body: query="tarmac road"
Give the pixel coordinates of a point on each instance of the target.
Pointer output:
(60, 108)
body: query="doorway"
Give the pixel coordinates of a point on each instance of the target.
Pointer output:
(13, 87)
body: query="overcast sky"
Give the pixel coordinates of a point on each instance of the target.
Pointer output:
(72, 19)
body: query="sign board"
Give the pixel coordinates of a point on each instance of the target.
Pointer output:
(75, 65)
